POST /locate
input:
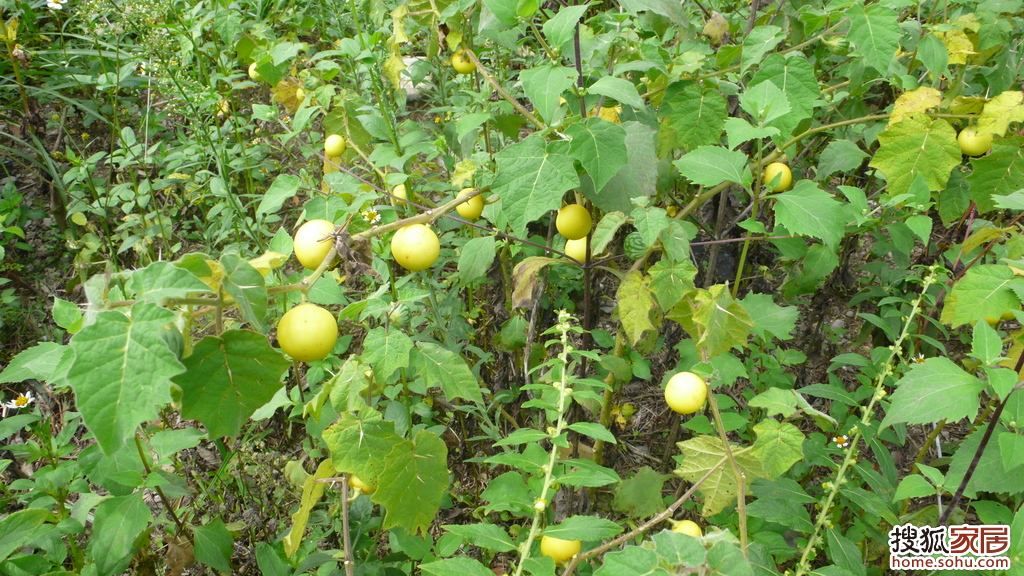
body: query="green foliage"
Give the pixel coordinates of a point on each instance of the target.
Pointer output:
(859, 333)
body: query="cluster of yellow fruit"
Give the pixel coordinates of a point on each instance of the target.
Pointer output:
(573, 221)
(308, 332)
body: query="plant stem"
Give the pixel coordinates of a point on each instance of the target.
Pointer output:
(564, 394)
(654, 521)
(504, 93)
(803, 566)
(159, 490)
(350, 566)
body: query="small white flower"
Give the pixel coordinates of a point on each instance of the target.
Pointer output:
(371, 216)
(20, 401)
(53, 5)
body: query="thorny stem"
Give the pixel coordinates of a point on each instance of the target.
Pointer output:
(159, 490)
(504, 93)
(654, 521)
(803, 567)
(741, 478)
(564, 395)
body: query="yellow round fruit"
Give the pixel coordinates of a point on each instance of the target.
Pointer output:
(334, 145)
(686, 393)
(254, 74)
(313, 240)
(300, 94)
(561, 551)
(399, 195)
(415, 247)
(461, 62)
(782, 171)
(573, 221)
(577, 249)
(974, 143)
(363, 487)
(688, 527)
(307, 332)
(472, 208)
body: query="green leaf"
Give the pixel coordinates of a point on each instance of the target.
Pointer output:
(839, 156)
(544, 86)
(312, 492)
(586, 528)
(560, 28)
(739, 131)
(775, 401)
(845, 553)
(650, 222)
(765, 102)
(463, 566)
(246, 285)
(670, 281)
(807, 210)
(285, 187)
(600, 147)
(998, 173)
(605, 231)
(162, 280)
(359, 445)
(636, 306)
(1011, 450)
(779, 445)
(693, 114)
(990, 475)
(67, 315)
(442, 368)
(917, 146)
(593, 430)
(630, 561)
(412, 482)
(36, 363)
(913, 486)
(986, 345)
(933, 390)
(985, 291)
(678, 549)
(618, 89)
(714, 319)
(530, 181)
(640, 495)
(486, 536)
(227, 378)
(117, 523)
(726, 559)
(794, 75)
(770, 319)
(386, 351)
(782, 501)
(701, 454)
(761, 40)
(475, 258)
(1014, 201)
(875, 32)
(712, 165)
(213, 545)
(638, 178)
(18, 529)
(121, 371)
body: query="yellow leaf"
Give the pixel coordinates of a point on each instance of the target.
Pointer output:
(215, 277)
(268, 261)
(1000, 111)
(958, 45)
(967, 105)
(12, 30)
(312, 492)
(285, 93)
(464, 171)
(393, 67)
(398, 24)
(968, 22)
(914, 102)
